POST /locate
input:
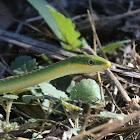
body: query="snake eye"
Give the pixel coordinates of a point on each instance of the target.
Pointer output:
(90, 62)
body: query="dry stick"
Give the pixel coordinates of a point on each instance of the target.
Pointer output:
(39, 46)
(119, 86)
(95, 38)
(5, 66)
(135, 55)
(121, 89)
(28, 25)
(107, 127)
(86, 120)
(33, 48)
(111, 97)
(88, 50)
(116, 124)
(95, 34)
(111, 18)
(132, 133)
(36, 43)
(34, 19)
(116, 17)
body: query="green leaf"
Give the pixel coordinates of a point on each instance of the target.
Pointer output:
(23, 64)
(70, 106)
(44, 57)
(37, 136)
(86, 90)
(63, 28)
(40, 6)
(9, 96)
(13, 125)
(32, 120)
(50, 90)
(36, 91)
(83, 42)
(107, 114)
(114, 46)
(70, 87)
(46, 104)
(28, 98)
(67, 30)
(76, 131)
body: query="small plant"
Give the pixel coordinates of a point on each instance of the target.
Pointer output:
(87, 90)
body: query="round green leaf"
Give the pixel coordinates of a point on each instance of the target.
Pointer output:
(86, 90)
(23, 64)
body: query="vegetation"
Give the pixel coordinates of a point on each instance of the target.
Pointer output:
(101, 105)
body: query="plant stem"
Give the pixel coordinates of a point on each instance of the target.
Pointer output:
(8, 110)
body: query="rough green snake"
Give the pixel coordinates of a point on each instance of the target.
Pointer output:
(73, 65)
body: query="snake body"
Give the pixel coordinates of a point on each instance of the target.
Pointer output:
(74, 65)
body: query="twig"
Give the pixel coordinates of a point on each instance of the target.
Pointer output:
(5, 66)
(114, 125)
(112, 99)
(95, 34)
(31, 47)
(34, 19)
(124, 15)
(119, 86)
(121, 89)
(79, 16)
(86, 120)
(96, 39)
(35, 45)
(107, 127)
(44, 33)
(127, 137)
(88, 50)
(102, 21)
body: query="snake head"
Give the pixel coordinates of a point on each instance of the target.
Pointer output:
(89, 63)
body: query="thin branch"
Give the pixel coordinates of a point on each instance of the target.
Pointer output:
(124, 15)
(95, 34)
(107, 127)
(33, 48)
(35, 45)
(119, 86)
(102, 21)
(121, 89)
